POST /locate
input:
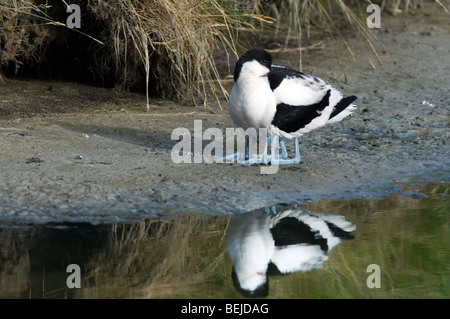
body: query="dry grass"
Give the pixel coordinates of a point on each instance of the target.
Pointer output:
(303, 18)
(168, 43)
(167, 47)
(299, 19)
(159, 258)
(22, 31)
(14, 263)
(181, 36)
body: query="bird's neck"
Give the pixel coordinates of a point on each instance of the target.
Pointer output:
(250, 80)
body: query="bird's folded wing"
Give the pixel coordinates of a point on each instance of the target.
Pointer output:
(295, 88)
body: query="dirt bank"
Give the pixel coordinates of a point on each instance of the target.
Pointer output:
(74, 153)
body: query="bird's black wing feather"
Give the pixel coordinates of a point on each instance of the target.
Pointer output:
(278, 74)
(342, 105)
(291, 118)
(291, 231)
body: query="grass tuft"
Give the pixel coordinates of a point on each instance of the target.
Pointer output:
(165, 47)
(180, 36)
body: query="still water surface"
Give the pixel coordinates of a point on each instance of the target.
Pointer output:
(406, 235)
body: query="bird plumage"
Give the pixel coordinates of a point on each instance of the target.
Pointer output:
(262, 245)
(287, 102)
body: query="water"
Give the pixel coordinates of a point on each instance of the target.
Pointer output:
(405, 234)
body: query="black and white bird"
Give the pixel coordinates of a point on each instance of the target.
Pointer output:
(262, 244)
(286, 102)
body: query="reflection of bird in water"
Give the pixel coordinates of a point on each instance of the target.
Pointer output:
(262, 244)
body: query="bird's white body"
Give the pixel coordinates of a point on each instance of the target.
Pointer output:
(250, 247)
(252, 102)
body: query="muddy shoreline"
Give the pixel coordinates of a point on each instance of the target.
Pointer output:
(85, 154)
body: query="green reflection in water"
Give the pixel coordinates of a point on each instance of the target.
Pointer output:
(186, 257)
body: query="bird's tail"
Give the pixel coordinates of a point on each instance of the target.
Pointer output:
(342, 109)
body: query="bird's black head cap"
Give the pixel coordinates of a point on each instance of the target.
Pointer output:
(262, 56)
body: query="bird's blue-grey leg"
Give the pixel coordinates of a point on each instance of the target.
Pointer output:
(283, 160)
(294, 160)
(265, 158)
(271, 211)
(249, 157)
(273, 159)
(247, 142)
(231, 158)
(284, 153)
(297, 151)
(273, 151)
(274, 210)
(237, 156)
